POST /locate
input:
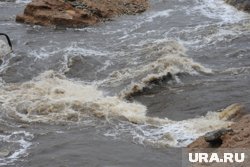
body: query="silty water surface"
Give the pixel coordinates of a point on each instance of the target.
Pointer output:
(64, 91)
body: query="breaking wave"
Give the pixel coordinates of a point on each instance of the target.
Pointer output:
(164, 68)
(166, 60)
(52, 98)
(219, 9)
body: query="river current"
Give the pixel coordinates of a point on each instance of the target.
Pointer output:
(129, 92)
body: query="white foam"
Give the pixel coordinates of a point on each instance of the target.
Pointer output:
(219, 9)
(20, 139)
(52, 98)
(71, 49)
(164, 13)
(237, 71)
(164, 58)
(170, 133)
(23, 1)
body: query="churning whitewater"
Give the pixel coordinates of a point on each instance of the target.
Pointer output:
(52, 98)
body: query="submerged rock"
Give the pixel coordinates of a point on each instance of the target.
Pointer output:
(240, 4)
(77, 13)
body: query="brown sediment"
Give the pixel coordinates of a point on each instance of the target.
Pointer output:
(240, 4)
(78, 13)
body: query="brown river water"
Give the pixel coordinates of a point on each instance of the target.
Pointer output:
(127, 93)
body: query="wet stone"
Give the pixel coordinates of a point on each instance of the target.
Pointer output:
(214, 137)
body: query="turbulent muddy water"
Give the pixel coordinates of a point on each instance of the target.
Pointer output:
(126, 93)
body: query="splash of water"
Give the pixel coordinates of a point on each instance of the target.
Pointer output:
(219, 9)
(52, 98)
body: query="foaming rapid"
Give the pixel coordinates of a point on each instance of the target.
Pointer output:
(176, 133)
(14, 145)
(164, 68)
(52, 98)
(219, 9)
(167, 59)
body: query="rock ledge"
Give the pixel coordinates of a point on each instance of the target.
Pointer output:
(78, 13)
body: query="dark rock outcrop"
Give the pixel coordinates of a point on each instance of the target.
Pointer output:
(214, 137)
(240, 4)
(78, 13)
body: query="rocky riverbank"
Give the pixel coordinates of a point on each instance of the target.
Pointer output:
(233, 139)
(78, 13)
(236, 136)
(240, 4)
